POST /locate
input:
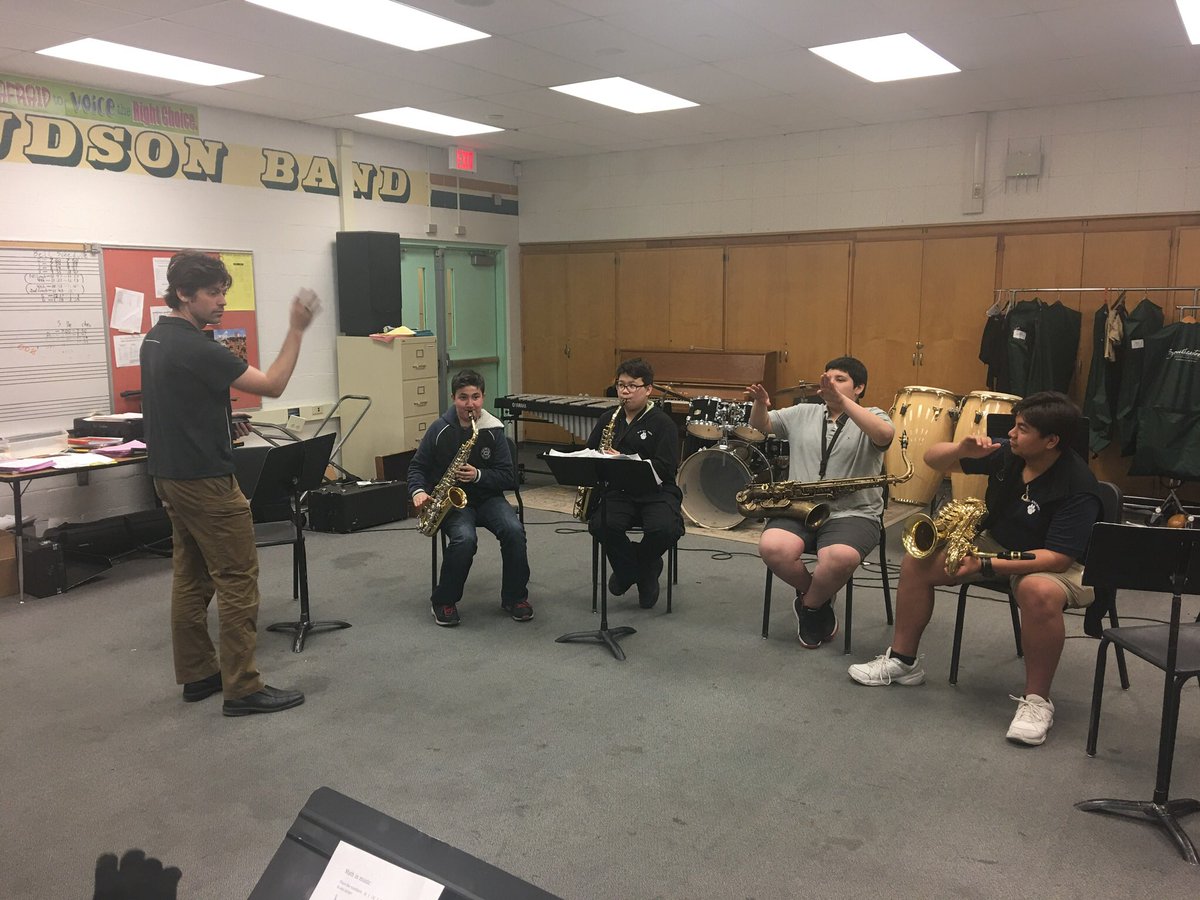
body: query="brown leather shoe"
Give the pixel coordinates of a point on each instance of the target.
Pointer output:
(268, 700)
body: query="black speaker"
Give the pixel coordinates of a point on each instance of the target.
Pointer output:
(50, 570)
(368, 277)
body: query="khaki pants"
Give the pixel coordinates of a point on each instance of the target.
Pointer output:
(213, 535)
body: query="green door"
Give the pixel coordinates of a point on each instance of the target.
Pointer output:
(474, 317)
(418, 287)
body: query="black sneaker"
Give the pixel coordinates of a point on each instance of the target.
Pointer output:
(199, 690)
(446, 615)
(815, 627)
(520, 611)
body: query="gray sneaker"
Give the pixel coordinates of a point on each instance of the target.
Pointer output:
(886, 669)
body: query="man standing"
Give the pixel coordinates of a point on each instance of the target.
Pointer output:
(186, 379)
(1042, 500)
(487, 473)
(644, 428)
(835, 440)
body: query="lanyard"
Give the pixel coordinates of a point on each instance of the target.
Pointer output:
(827, 442)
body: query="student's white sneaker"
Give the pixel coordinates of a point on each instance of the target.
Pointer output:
(885, 669)
(1034, 717)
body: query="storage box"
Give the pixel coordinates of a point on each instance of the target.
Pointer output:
(42, 443)
(344, 508)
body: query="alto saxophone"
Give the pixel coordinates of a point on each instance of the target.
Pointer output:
(583, 495)
(954, 527)
(447, 494)
(806, 500)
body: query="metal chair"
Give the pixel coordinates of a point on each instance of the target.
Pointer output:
(672, 568)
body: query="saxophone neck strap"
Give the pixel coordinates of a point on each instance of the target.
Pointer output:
(827, 442)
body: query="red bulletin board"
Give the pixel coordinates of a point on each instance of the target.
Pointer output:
(133, 270)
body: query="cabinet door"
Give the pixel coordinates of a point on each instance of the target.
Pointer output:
(1187, 271)
(817, 304)
(696, 319)
(643, 305)
(958, 276)
(884, 315)
(591, 322)
(1042, 261)
(544, 334)
(757, 292)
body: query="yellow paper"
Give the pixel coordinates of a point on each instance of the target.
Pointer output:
(241, 268)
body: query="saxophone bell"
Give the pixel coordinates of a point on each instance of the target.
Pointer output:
(921, 536)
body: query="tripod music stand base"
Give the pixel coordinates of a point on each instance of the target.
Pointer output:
(606, 636)
(301, 630)
(1165, 815)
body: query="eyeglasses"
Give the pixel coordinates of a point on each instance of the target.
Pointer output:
(627, 386)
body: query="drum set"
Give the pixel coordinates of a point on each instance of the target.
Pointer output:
(733, 454)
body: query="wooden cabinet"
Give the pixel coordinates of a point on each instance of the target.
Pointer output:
(401, 380)
(792, 299)
(671, 299)
(917, 313)
(568, 328)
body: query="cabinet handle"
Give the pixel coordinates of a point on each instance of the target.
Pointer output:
(421, 366)
(914, 358)
(420, 403)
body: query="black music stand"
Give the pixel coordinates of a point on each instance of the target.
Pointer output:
(603, 475)
(291, 470)
(1160, 560)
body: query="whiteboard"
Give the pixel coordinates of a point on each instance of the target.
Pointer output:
(53, 353)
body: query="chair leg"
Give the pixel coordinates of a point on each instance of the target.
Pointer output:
(767, 605)
(1121, 669)
(849, 615)
(1097, 696)
(887, 585)
(958, 630)
(1015, 612)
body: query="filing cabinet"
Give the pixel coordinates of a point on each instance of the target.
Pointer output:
(401, 379)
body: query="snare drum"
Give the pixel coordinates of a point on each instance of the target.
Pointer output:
(972, 420)
(711, 478)
(704, 418)
(924, 413)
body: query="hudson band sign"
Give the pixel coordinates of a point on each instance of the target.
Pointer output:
(50, 124)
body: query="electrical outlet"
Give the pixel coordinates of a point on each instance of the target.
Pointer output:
(317, 411)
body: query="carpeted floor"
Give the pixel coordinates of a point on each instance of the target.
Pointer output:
(709, 764)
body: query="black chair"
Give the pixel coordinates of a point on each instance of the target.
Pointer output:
(1160, 560)
(848, 612)
(1104, 604)
(441, 539)
(672, 568)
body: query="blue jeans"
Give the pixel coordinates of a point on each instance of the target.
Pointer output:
(459, 526)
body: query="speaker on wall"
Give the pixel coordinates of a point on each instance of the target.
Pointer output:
(368, 277)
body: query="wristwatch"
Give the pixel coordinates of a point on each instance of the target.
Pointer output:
(985, 566)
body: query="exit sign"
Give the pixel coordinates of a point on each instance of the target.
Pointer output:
(462, 159)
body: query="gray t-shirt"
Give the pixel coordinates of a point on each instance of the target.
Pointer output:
(852, 454)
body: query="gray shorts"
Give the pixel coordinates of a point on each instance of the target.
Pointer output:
(858, 532)
(1077, 594)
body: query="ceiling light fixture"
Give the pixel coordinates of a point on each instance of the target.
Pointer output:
(1189, 11)
(893, 57)
(621, 93)
(146, 62)
(423, 120)
(379, 20)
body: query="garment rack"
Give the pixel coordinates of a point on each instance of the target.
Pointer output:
(1006, 297)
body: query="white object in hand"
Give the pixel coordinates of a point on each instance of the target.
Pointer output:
(309, 299)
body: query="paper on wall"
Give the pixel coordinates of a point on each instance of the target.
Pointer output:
(127, 311)
(156, 313)
(160, 264)
(127, 350)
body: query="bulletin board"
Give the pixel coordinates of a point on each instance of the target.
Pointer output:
(134, 282)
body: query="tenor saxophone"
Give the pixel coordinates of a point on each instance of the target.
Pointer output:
(807, 500)
(447, 494)
(583, 495)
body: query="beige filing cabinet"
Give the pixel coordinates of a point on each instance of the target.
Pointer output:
(401, 380)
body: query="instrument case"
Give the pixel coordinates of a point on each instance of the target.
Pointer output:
(343, 508)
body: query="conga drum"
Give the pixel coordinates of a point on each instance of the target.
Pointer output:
(924, 413)
(972, 419)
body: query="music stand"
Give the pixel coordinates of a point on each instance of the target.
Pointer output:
(602, 475)
(292, 470)
(1160, 560)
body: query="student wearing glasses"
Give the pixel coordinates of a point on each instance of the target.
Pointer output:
(644, 428)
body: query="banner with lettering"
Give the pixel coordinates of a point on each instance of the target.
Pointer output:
(53, 98)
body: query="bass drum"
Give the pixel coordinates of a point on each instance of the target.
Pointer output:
(972, 420)
(925, 414)
(711, 478)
